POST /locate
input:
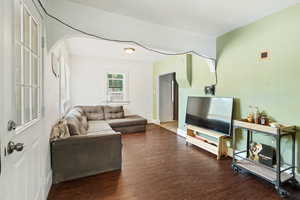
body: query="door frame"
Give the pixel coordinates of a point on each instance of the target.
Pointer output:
(2, 9)
(175, 89)
(6, 47)
(158, 94)
(6, 8)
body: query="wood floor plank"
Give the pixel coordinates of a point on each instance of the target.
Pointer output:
(158, 165)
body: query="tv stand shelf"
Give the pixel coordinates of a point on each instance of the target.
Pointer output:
(214, 143)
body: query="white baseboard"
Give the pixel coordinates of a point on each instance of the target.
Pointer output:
(154, 121)
(181, 132)
(48, 184)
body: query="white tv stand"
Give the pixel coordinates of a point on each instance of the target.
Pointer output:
(215, 145)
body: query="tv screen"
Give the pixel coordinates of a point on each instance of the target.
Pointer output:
(213, 113)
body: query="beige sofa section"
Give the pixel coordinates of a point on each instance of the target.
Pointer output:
(87, 141)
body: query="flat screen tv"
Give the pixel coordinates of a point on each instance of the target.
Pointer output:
(213, 113)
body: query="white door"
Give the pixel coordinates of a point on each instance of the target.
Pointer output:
(20, 92)
(166, 98)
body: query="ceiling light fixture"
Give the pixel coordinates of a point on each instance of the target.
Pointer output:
(129, 50)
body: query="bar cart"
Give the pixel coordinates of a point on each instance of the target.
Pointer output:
(276, 175)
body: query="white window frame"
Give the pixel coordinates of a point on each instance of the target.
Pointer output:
(38, 55)
(125, 87)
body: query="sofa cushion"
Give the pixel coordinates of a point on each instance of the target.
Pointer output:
(96, 126)
(73, 125)
(132, 120)
(60, 130)
(81, 121)
(113, 112)
(84, 122)
(83, 131)
(93, 112)
(75, 112)
(78, 109)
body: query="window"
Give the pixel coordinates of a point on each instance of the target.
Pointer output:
(116, 87)
(27, 64)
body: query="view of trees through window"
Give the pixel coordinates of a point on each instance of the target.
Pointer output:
(115, 87)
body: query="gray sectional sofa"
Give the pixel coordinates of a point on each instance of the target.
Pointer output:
(87, 141)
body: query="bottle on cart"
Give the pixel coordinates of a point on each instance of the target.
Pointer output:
(264, 119)
(257, 116)
(250, 117)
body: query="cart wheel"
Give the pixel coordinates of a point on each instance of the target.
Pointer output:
(235, 169)
(282, 192)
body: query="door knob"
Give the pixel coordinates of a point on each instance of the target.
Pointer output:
(11, 147)
(11, 126)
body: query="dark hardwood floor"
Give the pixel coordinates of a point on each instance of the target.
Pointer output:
(157, 165)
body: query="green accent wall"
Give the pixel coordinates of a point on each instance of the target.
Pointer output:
(272, 84)
(181, 65)
(192, 74)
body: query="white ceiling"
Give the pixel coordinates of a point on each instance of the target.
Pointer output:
(79, 46)
(208, 17)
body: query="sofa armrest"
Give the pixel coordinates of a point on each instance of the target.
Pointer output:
(80, 156)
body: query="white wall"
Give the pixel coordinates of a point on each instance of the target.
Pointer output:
(62, 53)
(88, 82)
(121, 27)
(51, 107)
(40, 158)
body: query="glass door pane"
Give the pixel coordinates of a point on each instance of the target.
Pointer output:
(18, 20)
(26, 27)
(27, 110)
(26, 67)
(19, 104)
(34, 36)
(34, 103)
(18, 72)
(27, 64)
(34, 71)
